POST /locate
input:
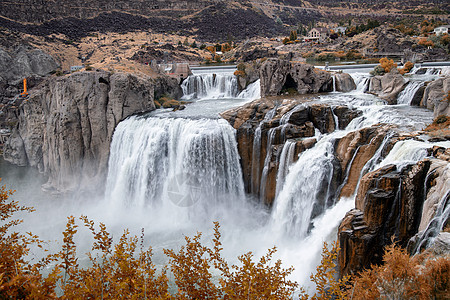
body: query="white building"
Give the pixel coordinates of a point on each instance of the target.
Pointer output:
(340, 29)
(441, 29)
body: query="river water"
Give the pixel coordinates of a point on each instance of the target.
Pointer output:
(174, 173)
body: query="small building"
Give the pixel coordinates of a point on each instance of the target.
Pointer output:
(317, 34)
(75, 68)
(441, 29)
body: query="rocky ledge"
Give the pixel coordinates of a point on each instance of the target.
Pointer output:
(65, 127)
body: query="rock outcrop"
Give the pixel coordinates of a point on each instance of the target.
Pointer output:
(344, 82)
(66, 125)
(403, 204)
(279, 76)
(357, 148)
(263, 128)
(437, 96)
(388, 86)
(24, 62)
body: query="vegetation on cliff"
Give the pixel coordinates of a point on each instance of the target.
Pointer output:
(124, 270)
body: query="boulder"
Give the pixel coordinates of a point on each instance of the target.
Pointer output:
(278, 76)
(65, 127)
(344, 82)
(436, 96)
(388, 86)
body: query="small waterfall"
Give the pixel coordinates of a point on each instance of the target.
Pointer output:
(306, 189)
(210, 86)
(334, 83)
(252, 92)
(362, 82)
(436, 225)
(286, 160)
(256, 152)
(155, 161)
(407, 95)
(265, 171)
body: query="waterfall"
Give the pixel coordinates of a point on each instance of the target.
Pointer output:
(286, 160)
(334, 83)
(362, 82)
(306, 188)
(252, 92)
(157, 160)
(407, 95)
(210, 86)
(436, 225)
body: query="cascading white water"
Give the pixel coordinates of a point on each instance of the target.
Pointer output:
(305, 187)
(286, 160)
(407, 95)
(253, 91)
(210, 86)
(154, 160)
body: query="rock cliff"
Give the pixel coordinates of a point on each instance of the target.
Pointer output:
(437, 96)
(281, 76)
(394, 203)
(66, 125)
(24, 62)
(265, 126)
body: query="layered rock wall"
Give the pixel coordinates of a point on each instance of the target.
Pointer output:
(437, 96)
(393, 204)
(66, 125)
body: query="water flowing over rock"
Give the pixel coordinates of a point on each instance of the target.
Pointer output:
(395, 202)
(435, 96)
(263, 128)
(161, 160)
(277, 75)
(65, 127)
(388, 86)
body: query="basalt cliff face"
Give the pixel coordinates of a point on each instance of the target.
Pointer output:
(403, 204)
(66, 125)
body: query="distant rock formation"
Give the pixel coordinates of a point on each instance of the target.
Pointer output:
(278, 76)
(66, 125)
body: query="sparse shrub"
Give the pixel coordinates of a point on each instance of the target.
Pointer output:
(286, 41)
(441, 119)
(239, 73)
(293, 35)
(406, 68)
(426, 42)
(194, 45)
(88, 67)
(378, 71)
(353, 55)
(202, 46)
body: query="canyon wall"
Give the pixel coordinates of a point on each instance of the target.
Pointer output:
(65, 126)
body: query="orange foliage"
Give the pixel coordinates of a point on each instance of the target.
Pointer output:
(426, 42)
(387, 64)
(406, 68)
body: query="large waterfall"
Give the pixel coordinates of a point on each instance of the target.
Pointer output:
(174, 173)
(182, 162)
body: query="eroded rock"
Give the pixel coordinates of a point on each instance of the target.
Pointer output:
(66, 126)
